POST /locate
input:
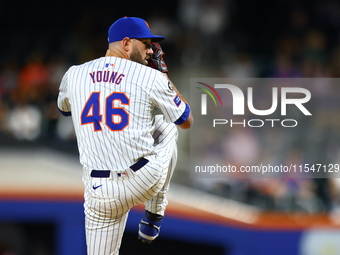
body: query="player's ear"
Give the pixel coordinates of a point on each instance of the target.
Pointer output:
(126, 44)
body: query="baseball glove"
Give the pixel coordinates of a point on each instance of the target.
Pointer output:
(156, 61)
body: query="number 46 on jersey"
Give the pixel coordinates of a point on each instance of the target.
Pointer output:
(116, 118)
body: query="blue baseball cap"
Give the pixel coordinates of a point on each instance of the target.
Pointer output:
(133, 28)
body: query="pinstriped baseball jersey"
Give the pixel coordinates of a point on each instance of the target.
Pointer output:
(112, 102)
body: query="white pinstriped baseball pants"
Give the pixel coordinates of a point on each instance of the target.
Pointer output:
(107, 207)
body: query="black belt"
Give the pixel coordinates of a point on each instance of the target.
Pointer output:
(106, 173)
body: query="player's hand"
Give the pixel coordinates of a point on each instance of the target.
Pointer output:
(156, 61)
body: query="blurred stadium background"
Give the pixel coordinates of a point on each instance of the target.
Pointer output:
(40, 177)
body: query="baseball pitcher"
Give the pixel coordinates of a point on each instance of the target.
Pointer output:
(128, 153)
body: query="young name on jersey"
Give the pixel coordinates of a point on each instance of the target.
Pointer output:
(106, 76)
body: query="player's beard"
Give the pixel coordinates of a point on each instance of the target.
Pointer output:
(136, 56)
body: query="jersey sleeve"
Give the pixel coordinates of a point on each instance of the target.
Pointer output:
(167, 100)
(63, 100)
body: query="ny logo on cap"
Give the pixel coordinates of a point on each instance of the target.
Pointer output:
(147, 25)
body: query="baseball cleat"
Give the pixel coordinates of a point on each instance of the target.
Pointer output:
(149, 227)
(144, 241)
